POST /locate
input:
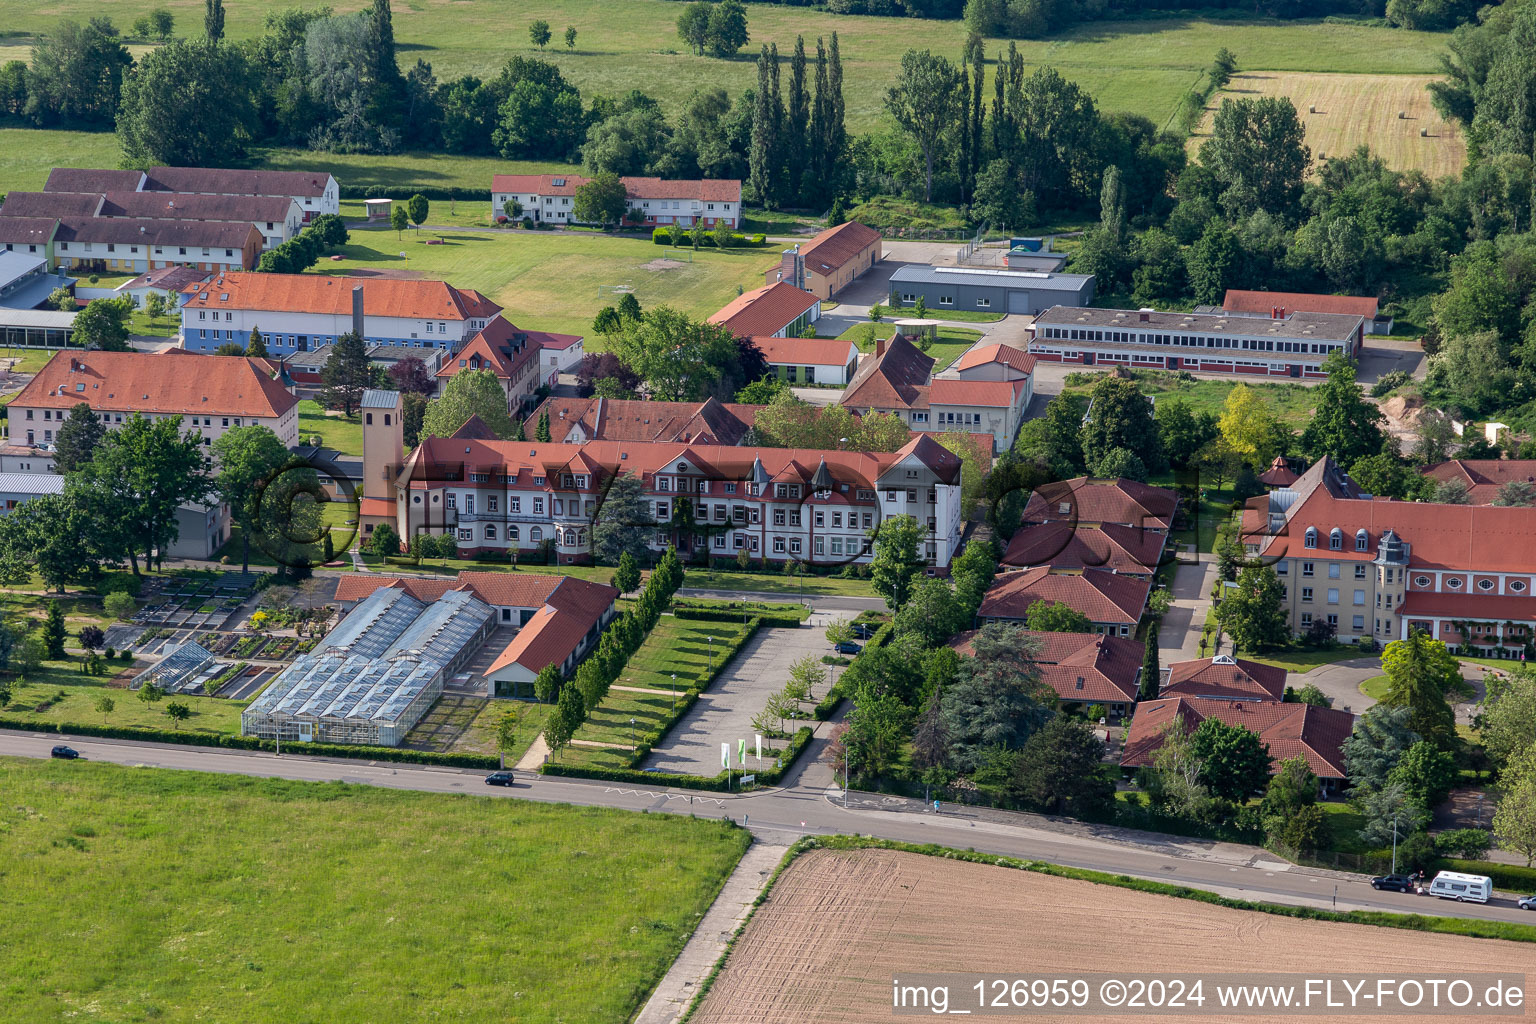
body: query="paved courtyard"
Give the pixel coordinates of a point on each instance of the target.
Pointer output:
(724, 712)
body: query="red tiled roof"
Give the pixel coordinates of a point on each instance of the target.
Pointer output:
(1009, 356)
(806, 351)
(764, 311)
(548, 339)
(1483, 477)
(215, 234)
(235, 181)
(172, 382)
(1279, 474)
(835, 246)
(499, 346)
(320, 293)
(1290, 730)
(86, 179)
(557, 628)
(1240, 301)
(52, 204)
(617, 419)
(1490, 538)
(376, 507)
(897, 378)
(28, 230)
(1492, 607)
(172, 279)
(715, 190)
(1086, 500)
(1223, 676)
(355, 587)
(1090, 667)
(1125, 549)
(1103, 596)
(984, 393)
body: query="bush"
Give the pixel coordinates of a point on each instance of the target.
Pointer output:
(120, 604)
(661, 236)
(1471, 843)
(527, 223)
(1390, 382)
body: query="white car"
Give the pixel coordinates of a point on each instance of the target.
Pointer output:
(1528, 903)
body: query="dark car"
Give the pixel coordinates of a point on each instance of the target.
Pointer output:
(501, 779)
(1396, 883)
(67, 753)
(863, 631)
(848, 647)
(1528, 903)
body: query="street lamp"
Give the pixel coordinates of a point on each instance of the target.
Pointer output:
(1394, 846)
(711, 639)
(631, 734)
(674, 691)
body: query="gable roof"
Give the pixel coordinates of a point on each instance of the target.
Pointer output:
(998, 394)
(172, 279)
(895, 378)
(716, 190)
(168, 383)
(616, 419)
(51, 204)
(1089, 667)
(1239, 300)
(806, 351)
(833, 247)
(1290, 730)
(219, 234)
(499, 346)
(28, 230)
(1015, 358)
(1063, 545)
(1225, 677)
(1483, 477)
(87, 179)
(236, 181)
(1089, 500)
(321, 293)
(557, 629)
(1103, 596)
(763, 311)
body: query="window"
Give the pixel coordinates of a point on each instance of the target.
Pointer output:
(1359, 622)
(538, 509)
(661, 510)
(837, 520)
(946, 300)
(983, 303)
(1454, 583)
(1359, 572)
(1336, 539)
(1333, 595)
(778, 545)
(1333, 570)
(490, 531)
(1423, 581)
(1361, 540)
(821, 518)
(1310, 539)
(1306, 619)
(1282, 567)
(1333, 620)
(1360, 597)
(1517, 586)
(1306, 593)
(1485, 584)
(535, 535)
(512, 534)
(1306, 568)
(794, 545)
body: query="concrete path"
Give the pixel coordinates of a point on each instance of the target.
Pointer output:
(1341, 681)
(1178, 638)
(537, 754)
(641, 689)
(601, 745)
(708, 943)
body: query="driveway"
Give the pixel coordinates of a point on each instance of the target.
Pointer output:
(1341, 681)
(724, 712)
(1178, 638)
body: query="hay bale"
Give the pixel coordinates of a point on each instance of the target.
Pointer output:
(1312, 109)
(1423, 133)
(1402, 115)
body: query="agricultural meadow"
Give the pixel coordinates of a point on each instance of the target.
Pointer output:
(150, 894)
(1142, 67)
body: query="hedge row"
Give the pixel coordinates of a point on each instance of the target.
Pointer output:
(202, 739)
(828, 706)
(716, 784)
(722, 615)
(1509, 877)
(402, 192)
(689, 696)
(663, 236)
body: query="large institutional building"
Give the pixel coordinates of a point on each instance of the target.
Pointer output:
(1374, 567)
(550, 198)
(1285, 343)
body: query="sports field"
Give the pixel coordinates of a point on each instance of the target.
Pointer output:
(838, 925)
(1342, 112)
(558, 280)
(144, 894)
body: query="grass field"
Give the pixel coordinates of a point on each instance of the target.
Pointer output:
(1375, 687)
(1291, 403)
(952, 343)
(1356, 109)
(679, 646)
(344, 435)
(38, 701)
(206, 897)
(553, 280)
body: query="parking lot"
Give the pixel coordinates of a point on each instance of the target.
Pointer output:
(724, 712)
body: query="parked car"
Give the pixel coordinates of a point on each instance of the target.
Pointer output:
(1396, 883)
(848, 647)
(66, 753)
(501, 779)
(1461, 887)
(1528, 903)
(863, 630)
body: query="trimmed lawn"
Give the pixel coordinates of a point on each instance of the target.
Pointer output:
(952, 343)
(966, 316)
(27, 360)
(1291, 403)
(202, 892)
(36, 702)
(679, 646)
(344, 435)
(1305, 661)
(558, 280)
(140, 323)
(1375, 687)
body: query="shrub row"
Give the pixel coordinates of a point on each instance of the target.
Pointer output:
(202, 739)
(688, 697)
(402, 192)
(828, 706)
(663, 236)
(717, 783)
(723, 615)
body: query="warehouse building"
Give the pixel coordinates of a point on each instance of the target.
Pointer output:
(987, 290)
(376, 674)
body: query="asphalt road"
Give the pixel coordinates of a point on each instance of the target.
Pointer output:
(781, 815)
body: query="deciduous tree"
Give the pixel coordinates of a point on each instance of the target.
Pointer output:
(897, 560)
(1060, 768)
(1421, 676)
(1252, 613)
(924, 102)
(1056, 617)
(249, 459)
(1235, 762)
(1344, 426)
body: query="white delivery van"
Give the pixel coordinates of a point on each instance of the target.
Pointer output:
(1453, 885)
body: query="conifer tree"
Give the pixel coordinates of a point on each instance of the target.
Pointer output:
(795, 138)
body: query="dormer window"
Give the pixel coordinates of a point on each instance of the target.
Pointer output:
(1310, 540)
(1336, 539)
(1361, 540)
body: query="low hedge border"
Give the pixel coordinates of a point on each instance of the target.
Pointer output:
(828, 706)
(713, 784)
(690, 695)
(777, 619)
(1509, 877)
(398, 755)
(404, 192)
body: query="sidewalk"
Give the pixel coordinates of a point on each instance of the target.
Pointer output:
(1178, 638)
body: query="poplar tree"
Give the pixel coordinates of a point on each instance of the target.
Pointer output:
(821, 115)
(795, 139)
(837, 134)
(965, 132)
(978, 111)
(760, 159)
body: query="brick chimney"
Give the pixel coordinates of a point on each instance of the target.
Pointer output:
(879, 347)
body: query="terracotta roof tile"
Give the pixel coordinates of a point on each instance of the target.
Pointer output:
(172, 382)
(320, 293)
(1484, 477)
(1125, 549)
(1090, 667)
(1290, 730)
(763, 311)
(1087, 500)
(806, 351)
(86, 179)
(896, 378)
(614, 419)
(1103, 596)
(499, 346)
(235, 181)
(1223, 676)
(1239, 301)
(835, 246)
(1000, 394)
(1009, 356)
(716, 190)
(28, 230)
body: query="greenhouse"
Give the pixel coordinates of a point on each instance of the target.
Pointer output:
(183, 670)
(376, 674)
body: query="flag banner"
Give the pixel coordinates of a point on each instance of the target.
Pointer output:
(725, 755)
(741, 752)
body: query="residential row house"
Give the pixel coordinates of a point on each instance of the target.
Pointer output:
(1372, 568)
(712, 502)
(550, 198)
(300, 312)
